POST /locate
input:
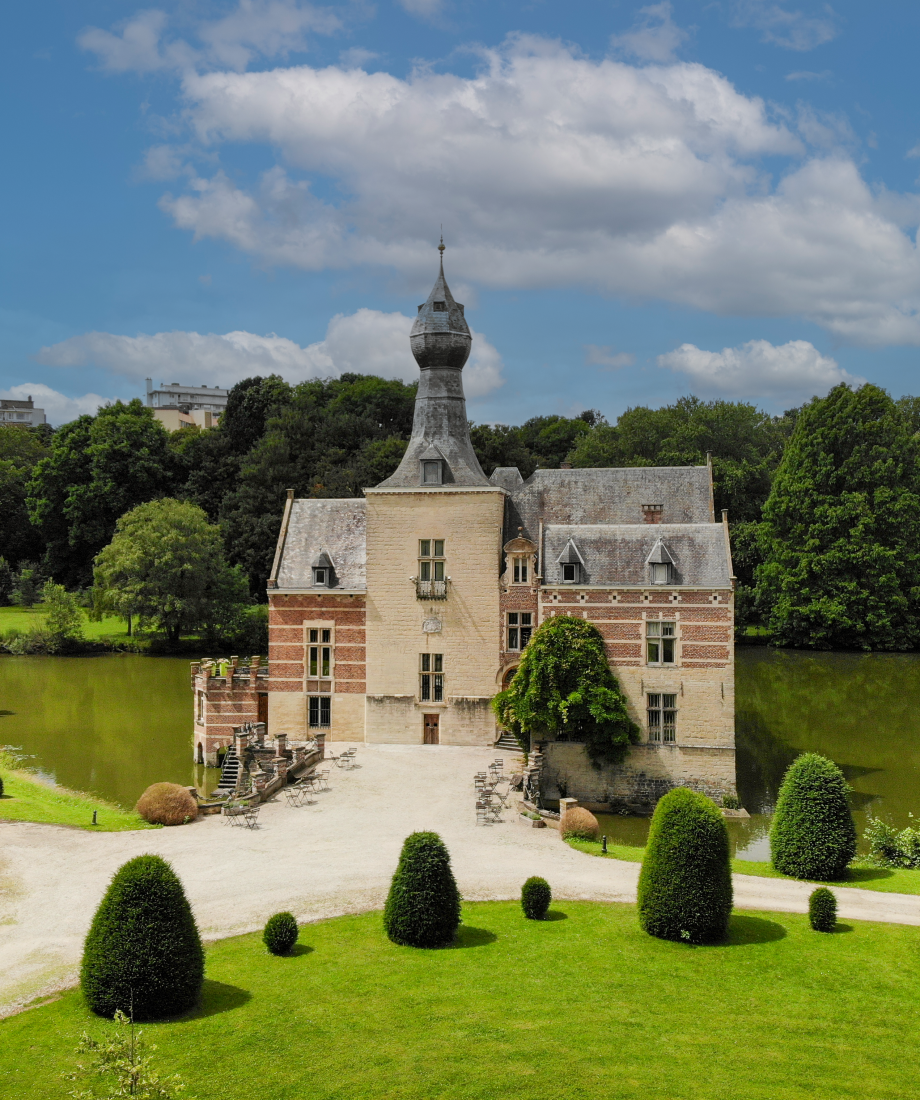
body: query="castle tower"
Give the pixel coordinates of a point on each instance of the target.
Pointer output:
(433, 548)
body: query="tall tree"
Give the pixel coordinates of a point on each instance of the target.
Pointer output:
(842, 527)
(98, 468)
(166, 565)
(21, 449)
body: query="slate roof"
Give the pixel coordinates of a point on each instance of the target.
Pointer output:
(608, 496)
(337, 528)
(616, 554)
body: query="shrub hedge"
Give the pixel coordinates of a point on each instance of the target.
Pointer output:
(167, 804)
(535, 898)
(685, 886)
(822, 910)
(143, 953)
(579, 824)
(280, 933)
(423, 905)
(813, 835)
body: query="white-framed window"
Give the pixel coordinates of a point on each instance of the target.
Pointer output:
(520, 628)
(199, 716)
(431, 677)
(320, 711)
(662, 572)
(520, 569)
(319, 653)
(320, 575)
(660, 642)
(571, 572)
(431, 471)
(662, 717)
(431, 562)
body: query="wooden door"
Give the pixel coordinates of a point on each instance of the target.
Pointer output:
(263, 708)
(431, 729)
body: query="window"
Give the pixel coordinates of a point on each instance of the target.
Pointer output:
(320, 655)
(571, 572)
(440, 307)
(520, 627)
(659, 642)
(431, 677)
(661, 573)
(431, 559)
(319, 575)
(320, 711)
(200, 715)
(519, 570)
(662, 717)
(431, 472)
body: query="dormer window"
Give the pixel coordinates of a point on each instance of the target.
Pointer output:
(661, 572)
(661, 565)
(520, 569)
(320, 575)
(440, 307)
(571, 564)
(323, 571)
(571, 572)
(431, 472)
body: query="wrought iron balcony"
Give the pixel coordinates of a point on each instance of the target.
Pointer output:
(430, 590)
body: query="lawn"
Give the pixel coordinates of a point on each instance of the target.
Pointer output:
(25, 619)
(886, 879)
(581, 1006)
(28, 799)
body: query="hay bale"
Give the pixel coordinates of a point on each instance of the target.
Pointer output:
(579, 824)
(167, 804)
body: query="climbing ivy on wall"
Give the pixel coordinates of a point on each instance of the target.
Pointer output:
(564, 686)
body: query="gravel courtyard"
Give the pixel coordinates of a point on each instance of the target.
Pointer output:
(335, 856)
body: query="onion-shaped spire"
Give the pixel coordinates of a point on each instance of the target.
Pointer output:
(440, 336)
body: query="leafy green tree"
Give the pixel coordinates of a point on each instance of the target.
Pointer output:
(166, 565)
(423, 906)
(63, 614)
(498, 445)
(549, 439)
(21, 449)
(564, 687)
(99, 467)
(6, 582)
(685, 885)
(143, 955)
(27, 583)
(842, 528)
(812, 834)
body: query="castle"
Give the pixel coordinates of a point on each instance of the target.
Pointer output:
(397, 617)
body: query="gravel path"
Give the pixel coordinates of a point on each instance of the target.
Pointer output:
(333, 857)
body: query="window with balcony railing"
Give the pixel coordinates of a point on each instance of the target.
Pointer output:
(431, 582)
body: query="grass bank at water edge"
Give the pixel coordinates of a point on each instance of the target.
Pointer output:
(26, 798)
(581, 1006)
(888, 880)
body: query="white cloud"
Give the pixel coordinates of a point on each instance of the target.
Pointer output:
(255, 28)
(424, 9)
(655, 37)
(366, 342)
(759, 369)
(804, 74)
(793, 30)
(59, 409)
(601, 356)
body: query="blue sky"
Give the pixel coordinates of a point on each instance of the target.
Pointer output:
(638, 202)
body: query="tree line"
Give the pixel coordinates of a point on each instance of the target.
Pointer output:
(822, 500)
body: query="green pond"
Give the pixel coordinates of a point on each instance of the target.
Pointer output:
(114, 724)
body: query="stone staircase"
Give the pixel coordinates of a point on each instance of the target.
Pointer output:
(230, 772)
(507, 741)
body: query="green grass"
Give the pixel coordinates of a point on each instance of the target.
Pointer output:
(580, 1007)
(29, 618)
(886, 879)
(27, 799)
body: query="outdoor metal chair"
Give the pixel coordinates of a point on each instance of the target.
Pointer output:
(320, 780)
(482, 813)
(251, 816)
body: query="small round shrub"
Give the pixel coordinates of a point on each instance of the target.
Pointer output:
(685, 886)
(822, 910)
(423, 905)
(535, 898)
(579, 824)
(142, 953)
(280, 933)
(813, 835)
(167, 804)
(1, 786)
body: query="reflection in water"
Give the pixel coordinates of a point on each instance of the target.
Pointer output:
(112, 725)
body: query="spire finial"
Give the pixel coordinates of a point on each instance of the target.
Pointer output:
(441, 245)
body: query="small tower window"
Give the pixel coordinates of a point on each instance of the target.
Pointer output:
(571, 572)
(320, 576)
(431, 472)
(519, 569)
(662, 572)
(440, 307)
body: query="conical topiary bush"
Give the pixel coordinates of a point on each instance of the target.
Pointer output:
(685, 886)
(143, 953)
(813, 835)
(423, 906)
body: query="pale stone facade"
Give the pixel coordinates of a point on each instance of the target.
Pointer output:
(396, 618)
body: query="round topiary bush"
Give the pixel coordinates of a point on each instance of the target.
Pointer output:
(579, 824)
(167, 804)
(685, 886)
(1, 786)
(142, 953)
(423, 906)
(280, 933)
(813, 835)
(535, 898)
(822, 910)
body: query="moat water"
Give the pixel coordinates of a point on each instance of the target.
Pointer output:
(114, 724)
